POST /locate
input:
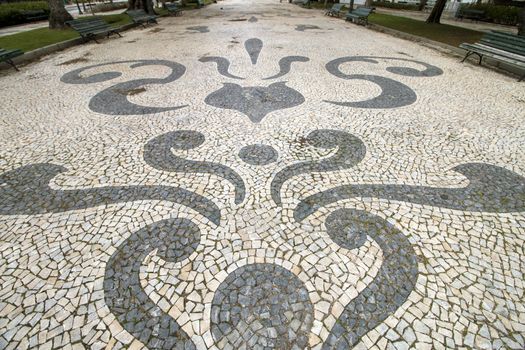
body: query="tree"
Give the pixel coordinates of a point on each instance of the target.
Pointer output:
(368, 3)
(521, 24)
(58, 15)
(422, 5)
(437, 11)
(146, 5)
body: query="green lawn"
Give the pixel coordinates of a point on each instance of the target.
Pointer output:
(444, 33)
(37, 38)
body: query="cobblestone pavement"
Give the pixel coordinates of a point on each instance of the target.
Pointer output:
(254, 175)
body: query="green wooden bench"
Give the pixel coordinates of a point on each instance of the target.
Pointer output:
(500, 46)
(359, 15)
(89, 28)
(8, 55)
(34, 15)
(173, 9)
(335, 10)
(473, 14)
(198, 3)
(141, 17)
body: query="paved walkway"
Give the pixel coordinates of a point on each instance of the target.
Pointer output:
(257, 176)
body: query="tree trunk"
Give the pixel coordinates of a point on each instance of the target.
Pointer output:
(437, 11)
(351, 5)
(58, 16)
(368, 3)
(146, 5)
(521, 24)
(422, 5)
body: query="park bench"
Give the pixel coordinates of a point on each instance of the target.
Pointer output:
(173, 9)
(89, 28)
(8, 55)
(141, 17)
(34, 15)
(504, 47)
(303, 3)
(199, 3)
(359, 15)
(335, 10)
(473, 14)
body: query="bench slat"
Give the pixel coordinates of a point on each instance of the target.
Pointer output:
(504, 46)
(500, 46)
(89, 28)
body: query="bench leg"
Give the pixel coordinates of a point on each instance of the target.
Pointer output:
(470, 53)
(520, 79)
(113, 32)
(12, 64)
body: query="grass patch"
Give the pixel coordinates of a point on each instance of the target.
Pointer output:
(160, 11)
(37, 38)
(443, 33)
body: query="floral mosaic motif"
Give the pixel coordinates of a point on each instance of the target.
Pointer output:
(114, 99)
(255, 101)
(173, 241)
(26, 190)
(350, 151)
(350, 228)
(259, 303)
(393, 93)
(490, 189)
(158, 154)
(258, 154)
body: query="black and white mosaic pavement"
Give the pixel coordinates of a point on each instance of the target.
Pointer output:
(255, 175)
(261, 305)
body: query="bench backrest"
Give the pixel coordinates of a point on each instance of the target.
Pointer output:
(136, 13)
(172, 6)
(504, 41)
(362, 11)
(3, 52)
(337, 7)
(88, 25)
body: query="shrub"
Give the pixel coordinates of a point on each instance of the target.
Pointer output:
(394, 5)
(109, 6)
(11, 13)
(498, 13)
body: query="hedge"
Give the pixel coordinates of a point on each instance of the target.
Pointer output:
(498, 13)
(105, 7)
(11, 13)
(395, 5)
